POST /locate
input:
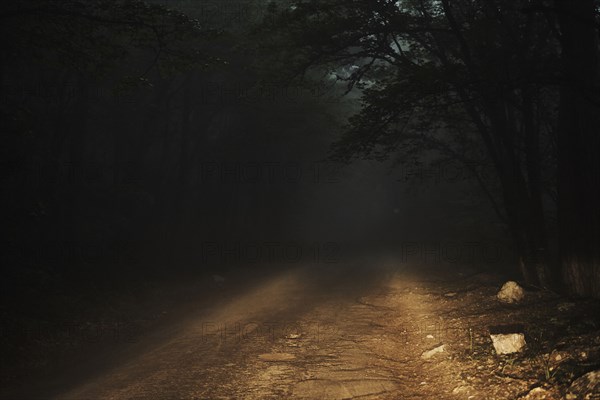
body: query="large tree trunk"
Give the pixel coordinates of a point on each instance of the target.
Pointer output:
(76, 144)
(182, 194)
(521, 197)
(579, 150)
(546, 270)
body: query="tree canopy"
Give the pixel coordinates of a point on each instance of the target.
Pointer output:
(476, 82)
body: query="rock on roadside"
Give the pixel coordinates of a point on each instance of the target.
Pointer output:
(428, 354)
(511, 292)
(540, 393)
(508, 343)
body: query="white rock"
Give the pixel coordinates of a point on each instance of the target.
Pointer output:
(511, 292)
(508, 343)
(428, 354)
(538, 393)
(461, 389)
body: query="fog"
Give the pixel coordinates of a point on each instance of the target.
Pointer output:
(341, 188)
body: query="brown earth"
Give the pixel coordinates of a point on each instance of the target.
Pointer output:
(336, 331)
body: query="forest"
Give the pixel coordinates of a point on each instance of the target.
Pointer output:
(149, 143)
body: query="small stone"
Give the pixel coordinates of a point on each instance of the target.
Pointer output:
(565, 306)
(450, 294)
(511, 292)
(429, 336)
(428, 354)
(461, 389)
(540, 393)
(508, 343)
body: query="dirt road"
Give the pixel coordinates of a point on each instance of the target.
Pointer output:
(325, 332)
(320, 332)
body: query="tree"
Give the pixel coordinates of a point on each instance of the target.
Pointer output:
(63, 64)
(466, 79)
(579, 147)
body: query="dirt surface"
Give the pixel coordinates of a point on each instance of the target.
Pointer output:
(356, 332)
